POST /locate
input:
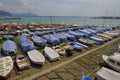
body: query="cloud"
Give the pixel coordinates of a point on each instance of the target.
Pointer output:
(63, 7)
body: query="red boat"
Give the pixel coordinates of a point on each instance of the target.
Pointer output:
(22, 61)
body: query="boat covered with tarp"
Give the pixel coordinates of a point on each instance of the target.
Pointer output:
(69, 36)
(60, 36)
(11, 37)
(9, 47)
(51, 39)
(38, 40)
(76, 45)
(26, 44)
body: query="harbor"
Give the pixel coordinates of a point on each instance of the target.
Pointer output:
(56, 52)
(87, 63)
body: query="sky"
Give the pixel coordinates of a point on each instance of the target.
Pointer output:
(63, 7)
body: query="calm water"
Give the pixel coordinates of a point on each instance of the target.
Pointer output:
(65, 19)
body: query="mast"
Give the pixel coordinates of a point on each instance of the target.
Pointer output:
(105, 16)
(50, 19)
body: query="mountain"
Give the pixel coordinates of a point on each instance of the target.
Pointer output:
(24, 14)
(5, 13)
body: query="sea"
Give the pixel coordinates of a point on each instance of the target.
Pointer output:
(62, 20)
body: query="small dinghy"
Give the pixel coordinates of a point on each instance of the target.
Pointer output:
(97, 39)
(86, 41)
(9, 47)
(22, 61)
(107, 74)
(112, 61)
(105, 35)
(51, 54)
(6, 66)
(36, 57)
(59, 50)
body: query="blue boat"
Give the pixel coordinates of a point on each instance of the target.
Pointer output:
(86, 31)
(26, 44)
(51, 39)
(61, 37)
(9, 47)
(40, 33)
(76, 45)
(70, 37)
(38, 40)
(86, 78)
(10, 37)
(92, 31)
(25, 34)
(76, 34)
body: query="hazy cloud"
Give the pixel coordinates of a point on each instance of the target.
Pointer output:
(63, 7)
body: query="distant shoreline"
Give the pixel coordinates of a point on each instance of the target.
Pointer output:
(9, 18)
(105, 17)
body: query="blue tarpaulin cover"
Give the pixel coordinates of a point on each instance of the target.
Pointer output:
(9, 46)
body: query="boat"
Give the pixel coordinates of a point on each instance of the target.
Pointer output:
(104, 35)
(51, 54)
(26, 44)
(38, 41)
(86, 41)
(36, 57)
(68, 49)
(61, 37)
(112, 33)
(60, 50)
(10, 37)
(77, 35)
(86, 78)
(22, 61)
(82, 45)
(70, 37)
(9, 47)
(86, 32)
(6, 66)
(96, 38)
(51, 39)
(113, 61)
(75, 45)
(107, 74)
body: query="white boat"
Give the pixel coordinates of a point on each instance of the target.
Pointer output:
(6, 66)
(112, 33)
(107, 74)
(51, 54)
(105, 35)
(97, 38)
(112, 61)
(36, 57)
(60, 50)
